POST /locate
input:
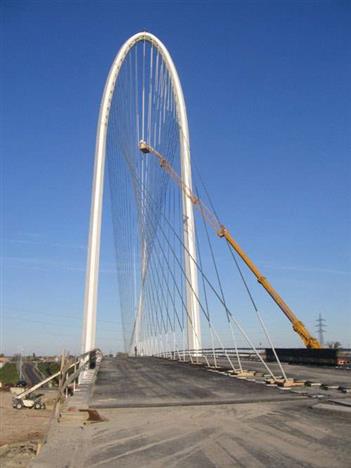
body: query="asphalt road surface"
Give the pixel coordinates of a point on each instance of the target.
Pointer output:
(323, 375)
(30, 373)
(158, 414)
(158, 382)
(163, 413)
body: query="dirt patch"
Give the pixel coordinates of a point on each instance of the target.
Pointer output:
(17, 455)
(20, 432)
(94, 416)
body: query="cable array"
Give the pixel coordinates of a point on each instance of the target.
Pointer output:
(148, 227)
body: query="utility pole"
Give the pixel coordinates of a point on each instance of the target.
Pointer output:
(19, 364)
(321, 328)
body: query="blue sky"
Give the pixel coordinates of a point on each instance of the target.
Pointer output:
(267, 86)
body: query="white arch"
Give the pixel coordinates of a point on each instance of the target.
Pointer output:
(92, 272)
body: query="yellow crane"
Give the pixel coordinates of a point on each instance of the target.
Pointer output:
(308, 340)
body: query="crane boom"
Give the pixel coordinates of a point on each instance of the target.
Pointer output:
(30, 390)
(308, 340)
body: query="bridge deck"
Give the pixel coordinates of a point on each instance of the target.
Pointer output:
(150, 381)
(161, 413)
(154, 419)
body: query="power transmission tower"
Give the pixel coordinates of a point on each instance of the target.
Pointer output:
(321, 328)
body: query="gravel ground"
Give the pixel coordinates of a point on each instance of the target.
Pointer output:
(21, 431)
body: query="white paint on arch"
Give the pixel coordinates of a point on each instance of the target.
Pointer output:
(92, 272)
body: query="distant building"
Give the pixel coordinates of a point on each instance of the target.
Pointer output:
(3, 361)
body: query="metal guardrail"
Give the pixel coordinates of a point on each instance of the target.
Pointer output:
(70, 370)
(213, 353)
(232, 359)
(70, 373)
(323, 356)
